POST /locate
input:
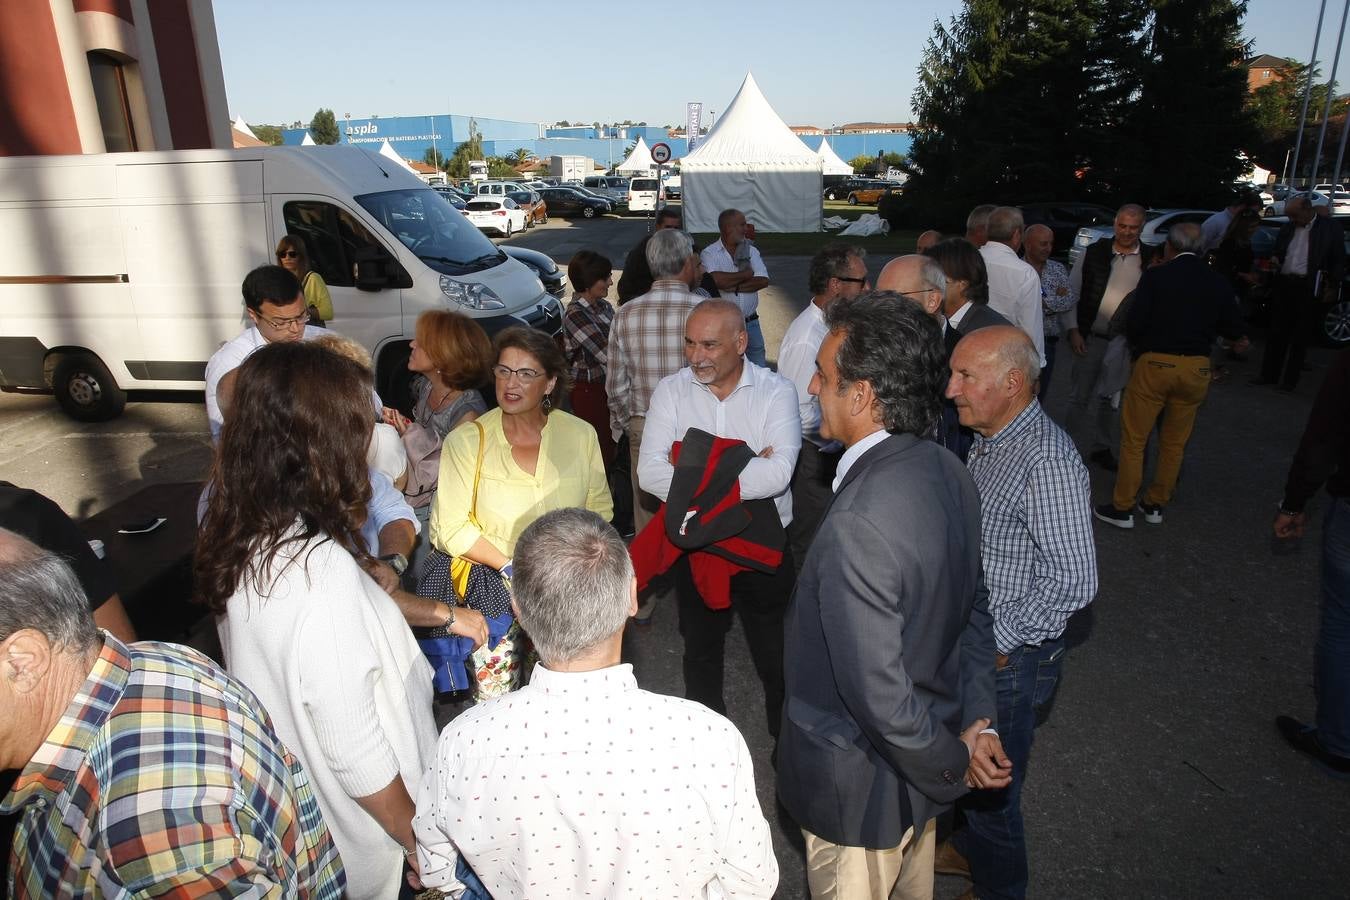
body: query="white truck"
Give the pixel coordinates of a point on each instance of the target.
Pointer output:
(478, 170)
(122, 271)
(570, 168)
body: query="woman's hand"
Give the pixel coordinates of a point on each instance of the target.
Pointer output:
(396, 419)
(470, 623)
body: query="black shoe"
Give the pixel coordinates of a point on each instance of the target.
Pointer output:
(1303, 738)
(1152, 514)
(1121, 518)
(1104, 458)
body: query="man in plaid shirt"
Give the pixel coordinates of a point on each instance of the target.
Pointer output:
(147, 771)
(646, 343)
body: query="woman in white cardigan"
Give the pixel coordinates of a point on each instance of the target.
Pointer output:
(325, 649)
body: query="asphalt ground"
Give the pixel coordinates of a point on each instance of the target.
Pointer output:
(1158, 772)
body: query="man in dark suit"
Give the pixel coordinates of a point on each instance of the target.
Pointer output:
(1103, 277)
(890, 694)
(1178, 309)
(1310, 253)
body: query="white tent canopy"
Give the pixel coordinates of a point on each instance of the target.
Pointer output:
(307, 141)
(830, 161)
(752, 161)
(241, 126)
(640, 160)
(387, 151)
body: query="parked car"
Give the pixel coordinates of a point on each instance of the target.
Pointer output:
(1064, 219)
(643, 194)
(840, 190)
(498, 188)
(499, 214)
(870, 193)
(533, 204)
(453, 197)
(672, 188)
(1340, 203)
(553, 278)
(612, 187)
(1157, 222)
(1334, 328)
(1317, 198)
(570, 201)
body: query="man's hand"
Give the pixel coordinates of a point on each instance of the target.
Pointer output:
(1289, 525)
(470, 623)
(972, 731)
(990, 767)
(383, 574)
(1076, 343)
(765, 453)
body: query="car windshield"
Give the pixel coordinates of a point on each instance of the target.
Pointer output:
(435, 231)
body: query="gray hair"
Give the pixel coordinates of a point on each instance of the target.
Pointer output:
(1004, 223)
(1132, 209)
(1018, 352)
(979, 216)
(39, 591)
(667, 251)
(572, 582)
(831, 262)
(896, 347)
(1186, 237)
(932, 276)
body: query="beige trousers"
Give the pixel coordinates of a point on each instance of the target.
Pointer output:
(834, 872)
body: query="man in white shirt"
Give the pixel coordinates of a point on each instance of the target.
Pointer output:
(581, 784)
(838, 271)
(1014, 286)
(722, 393)
(739, 273)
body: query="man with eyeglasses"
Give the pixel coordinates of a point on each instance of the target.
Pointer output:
(391, 526)
(837, 272)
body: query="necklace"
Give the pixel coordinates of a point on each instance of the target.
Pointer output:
(437, 404)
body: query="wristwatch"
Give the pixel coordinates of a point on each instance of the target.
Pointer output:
(396, 561)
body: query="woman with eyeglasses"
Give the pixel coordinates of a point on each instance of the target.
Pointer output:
(291, 254)
(500, 473)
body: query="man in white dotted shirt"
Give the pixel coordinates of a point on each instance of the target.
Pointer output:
(581, 784)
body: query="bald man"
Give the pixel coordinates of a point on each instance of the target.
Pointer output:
(1040, 566)
(1057, 297)
(926, 240)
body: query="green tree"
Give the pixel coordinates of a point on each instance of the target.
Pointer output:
(521, 155)
(323, 127)
(268, 134)
(501, 167)
(434, 157)
(457, 167)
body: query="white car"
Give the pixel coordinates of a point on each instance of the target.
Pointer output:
(499, 214)
(1157, 222)
(1339, 201)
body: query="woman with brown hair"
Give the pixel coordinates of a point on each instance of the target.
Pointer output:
(326, 650)
(291, 255)
(586, 325)
(498, 475)
(452, 357)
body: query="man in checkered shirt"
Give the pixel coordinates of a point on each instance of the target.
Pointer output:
(1040, 565)
(147, 771)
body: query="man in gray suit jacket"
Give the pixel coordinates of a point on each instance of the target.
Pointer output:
(890, 686)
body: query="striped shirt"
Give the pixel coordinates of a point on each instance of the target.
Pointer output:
(164, 777)
(646, 343)
(1040, 562)
(586, 325)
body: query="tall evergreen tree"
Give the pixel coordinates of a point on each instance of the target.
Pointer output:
(323, 127)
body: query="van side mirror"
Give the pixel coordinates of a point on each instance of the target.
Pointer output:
(374, 269)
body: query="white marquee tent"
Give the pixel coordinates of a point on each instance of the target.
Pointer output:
(308, 140)
(388, 152)
(752, 161)
(830, 161)
(639, 161)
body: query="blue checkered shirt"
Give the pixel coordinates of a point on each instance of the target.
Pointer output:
(1040, 562)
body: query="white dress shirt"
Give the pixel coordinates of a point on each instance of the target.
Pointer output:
(582, 785)
(852, 454)
(761, 410)
(229, 357)
(716, 258)
(1296, 254)
(797, 363)
(1015, 292)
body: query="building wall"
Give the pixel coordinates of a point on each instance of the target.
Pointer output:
(1260, 76)
(170, 91)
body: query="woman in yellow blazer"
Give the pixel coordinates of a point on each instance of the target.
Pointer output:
(534, 458)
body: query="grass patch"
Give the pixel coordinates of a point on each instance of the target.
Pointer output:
(807, 244)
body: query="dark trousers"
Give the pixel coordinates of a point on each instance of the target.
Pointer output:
(760, 601)
(1051, 344)
(1293, 318)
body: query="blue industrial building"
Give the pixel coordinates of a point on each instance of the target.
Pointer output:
(413, 136)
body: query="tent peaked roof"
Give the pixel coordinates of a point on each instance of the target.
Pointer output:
(307, 140)
(387, 151)
(240, 125)
(750, 131)
(640, 160)
(830, 160)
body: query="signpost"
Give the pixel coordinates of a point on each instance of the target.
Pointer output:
(660, 156)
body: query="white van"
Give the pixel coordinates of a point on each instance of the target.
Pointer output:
(643, 194)
(122, 271)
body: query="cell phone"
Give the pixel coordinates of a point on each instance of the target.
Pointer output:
(145, 527)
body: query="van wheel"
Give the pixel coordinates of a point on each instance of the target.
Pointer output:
(85, 388)
(588, 212)
(852, 199)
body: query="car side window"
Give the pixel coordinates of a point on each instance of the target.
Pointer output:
(332, 237)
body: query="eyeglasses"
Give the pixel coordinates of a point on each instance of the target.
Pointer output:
(912, 293)
(851, 280)
(525, 375)
(288, 254)
(286, 324)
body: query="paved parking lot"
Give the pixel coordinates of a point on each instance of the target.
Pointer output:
(1158, 774)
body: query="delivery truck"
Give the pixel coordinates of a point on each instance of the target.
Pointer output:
(570, 168)
(122, 271)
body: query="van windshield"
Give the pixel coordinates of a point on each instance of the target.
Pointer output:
(434, 230)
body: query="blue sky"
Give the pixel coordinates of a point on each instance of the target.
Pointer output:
(583, 61)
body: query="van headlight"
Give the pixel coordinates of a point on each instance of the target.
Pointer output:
(470, 295)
